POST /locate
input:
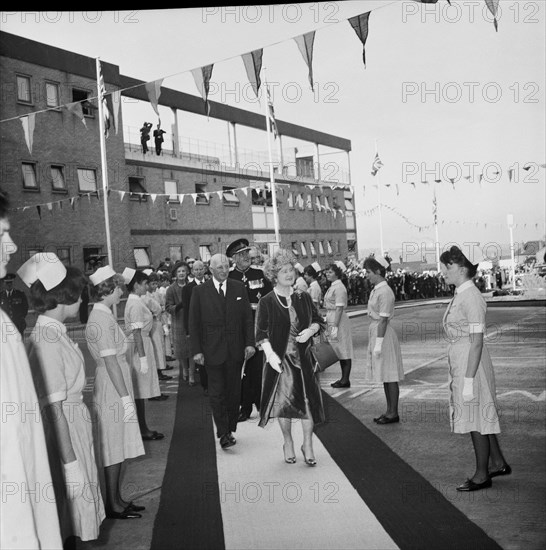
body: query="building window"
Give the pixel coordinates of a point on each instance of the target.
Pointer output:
(290, 199)
(93, 258)
(81, 96)
(317, 203)
(262, 210)
(137, 191)
(350, 220)
(295, 250)
(142, 257)
(229, 196)
(34, 250)
(299, 200)
(303, 250)
(329, 247)
(309, 202)
(204, 252)
(87, 180)
(23, 89)
(29, 175)
(326, 204)
(52, 94)
(57, 178)
(175, 253)
(171, 189)
(263, 198)
(348, 197)
(63, 253)
(304, 167)
(202, 197)
(321, 248)
(312, 248)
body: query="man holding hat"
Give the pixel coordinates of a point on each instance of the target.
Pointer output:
(14, 302)
(256, 286)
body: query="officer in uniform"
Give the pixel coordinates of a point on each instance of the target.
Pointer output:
(257, 286)
(14, 302)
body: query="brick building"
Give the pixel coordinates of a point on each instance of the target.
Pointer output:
(176, 204)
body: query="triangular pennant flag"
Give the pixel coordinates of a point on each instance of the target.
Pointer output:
(219, 194)
(181, 198)
(116, 103)
(153, 89)
(121, 195)
(38, 208)
(153, 196)
(76, 109)
(194, 197)
(527, 167)
(360, 26)
(202, 79)
(413, 183)
(244, 190)
(480, 179)
(510, 174)
(28, 123)
(72, 201)
(452, 180)
(253, 66)
(305, 44)
(493, 6)
(49, 206)
(397, 189)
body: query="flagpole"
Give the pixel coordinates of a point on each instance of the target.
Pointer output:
(437, 244)
(380, 210)
(104, 172)
(271, 172)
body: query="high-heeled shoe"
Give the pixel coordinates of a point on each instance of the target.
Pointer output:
(308, 461)
(288, 459)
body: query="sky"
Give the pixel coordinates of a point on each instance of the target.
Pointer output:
(442, 95)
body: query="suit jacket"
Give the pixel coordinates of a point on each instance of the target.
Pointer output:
(220, 328)
(16, 307)
(186, 298)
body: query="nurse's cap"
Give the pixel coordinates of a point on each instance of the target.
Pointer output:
(299, 267)
(382, 262)
(128, 274)
(101, 275)
(147, 272)
(44, 267)
(341, 265)
(316, 267)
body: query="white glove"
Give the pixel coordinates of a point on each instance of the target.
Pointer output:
(333, 332)
(271, 357)
(378, 346)
(129, 408)
(468, 389)
(143, 364)
(304, 335)
(74, 480)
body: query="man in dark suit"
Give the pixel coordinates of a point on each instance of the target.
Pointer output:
(14, 302)
(198, 271)
(222, 337)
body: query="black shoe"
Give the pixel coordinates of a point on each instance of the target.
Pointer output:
(169, 358)
(161, 397)
(164, 376)
(379, 418)
(504, 471)
(387, 420)
(135, 507)
(128, 513)
(340, 384)
(153, 436)
(226, 441)
(469, 485)
(243, 417)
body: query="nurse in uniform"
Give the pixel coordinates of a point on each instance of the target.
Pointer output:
(473, 406)
(117, 431)
(384, 355)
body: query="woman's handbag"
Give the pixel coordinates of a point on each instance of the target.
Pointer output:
(324, 354)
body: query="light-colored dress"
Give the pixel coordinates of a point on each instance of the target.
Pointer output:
(156, 334)
(465, 315)
(30, 522)
(315, 292)
(116, 440)
(336, 296)
(62, 373)
(138, 316)
(388, 366)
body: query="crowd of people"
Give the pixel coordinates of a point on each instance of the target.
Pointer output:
(246, 331)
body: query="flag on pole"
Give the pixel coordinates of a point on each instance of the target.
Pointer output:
(271, 114)
(435, 207)
(105, 110)
(377, 164)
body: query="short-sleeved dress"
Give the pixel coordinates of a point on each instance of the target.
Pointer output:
(116, 440)
(138, 316)
(336, 296)
(61, 377)
(315, 292)
(156, 334)
(388, 366)
(24, 522)
(465, 315)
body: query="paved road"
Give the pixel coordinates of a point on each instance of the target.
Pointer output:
(512, 512)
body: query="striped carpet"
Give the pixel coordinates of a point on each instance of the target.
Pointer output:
(361, 495)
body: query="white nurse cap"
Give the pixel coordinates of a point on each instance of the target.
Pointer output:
(101, 275)
(128, 274)
(44, 267)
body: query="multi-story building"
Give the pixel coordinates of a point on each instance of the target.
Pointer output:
(176, 204)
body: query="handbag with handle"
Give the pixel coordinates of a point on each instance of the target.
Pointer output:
(324, 354)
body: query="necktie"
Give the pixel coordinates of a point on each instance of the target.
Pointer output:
(221, 291)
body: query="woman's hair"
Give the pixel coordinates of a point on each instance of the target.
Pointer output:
(180, 264)
(336, 269)
(279, 259)
(67, 292)
(138, 277)
(4, 204)
(455, 256)
(106, 287)
(153, 278)
(310, 271)
(373, 265)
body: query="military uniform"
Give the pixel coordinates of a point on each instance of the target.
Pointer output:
(15, 305)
